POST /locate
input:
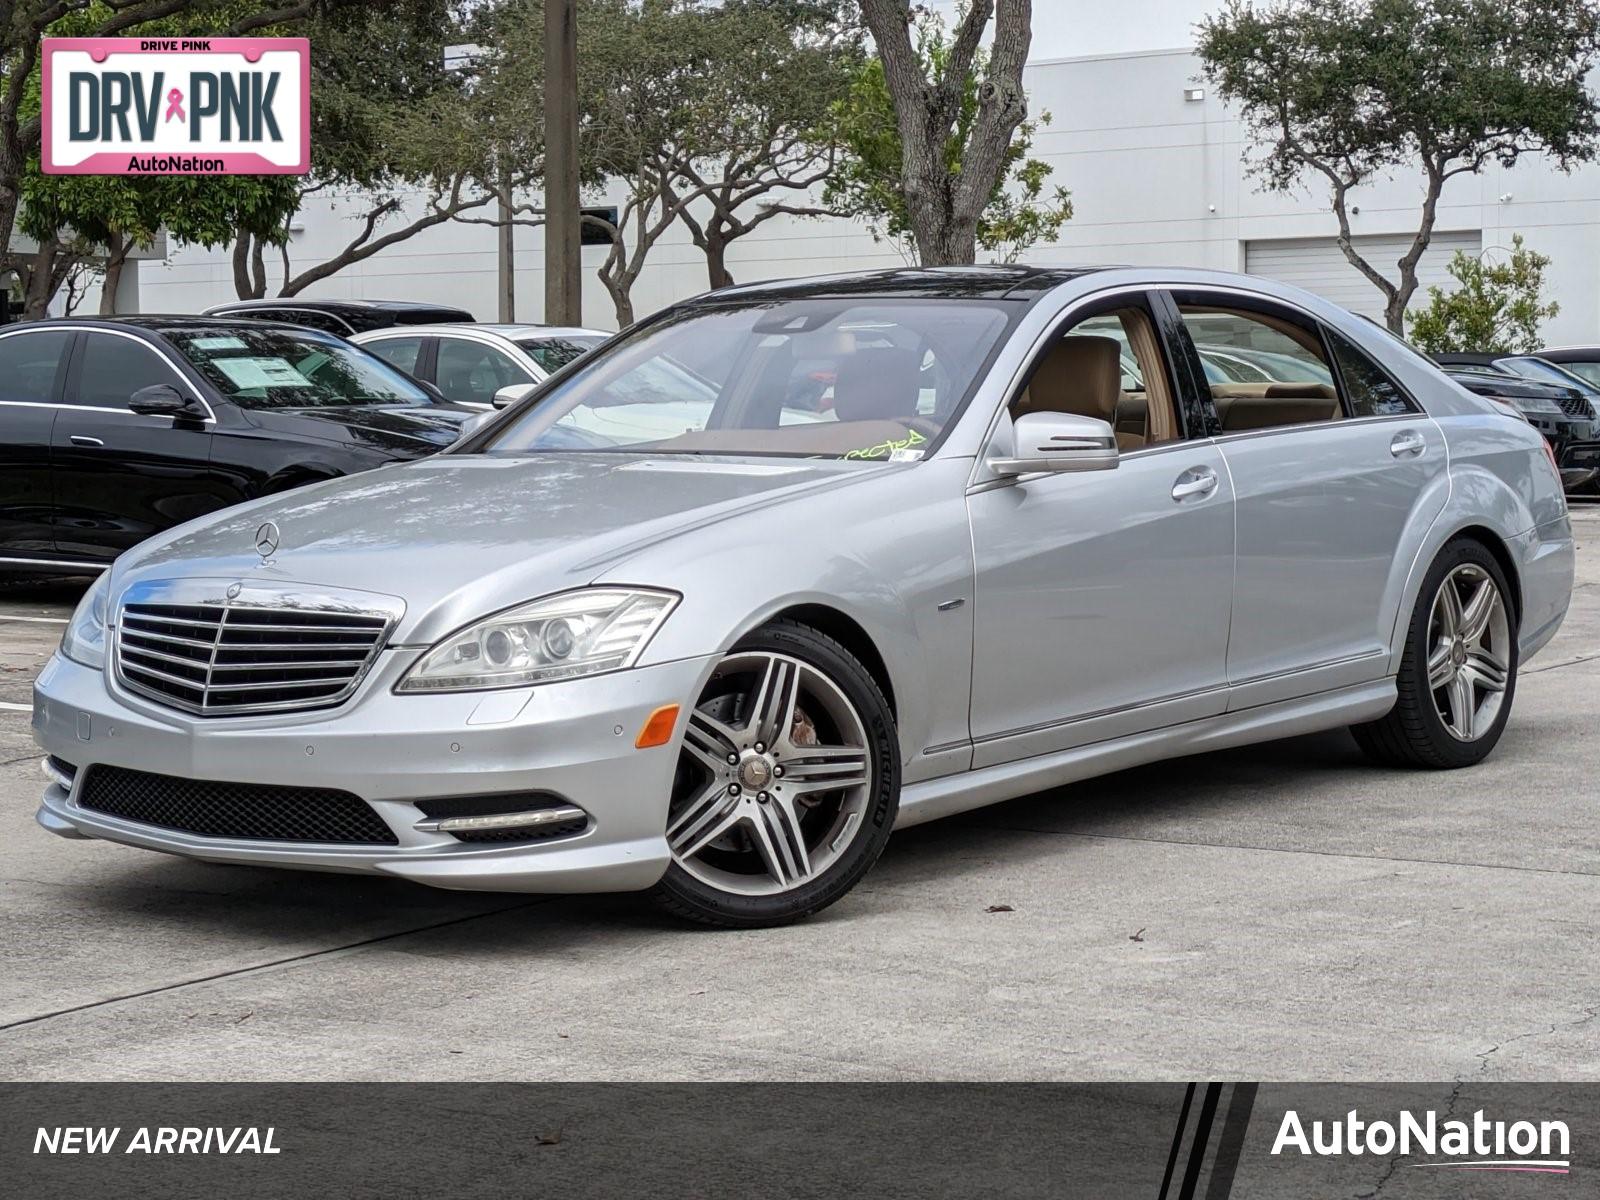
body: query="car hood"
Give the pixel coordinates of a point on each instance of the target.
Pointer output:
(404, 431)
(460, 536)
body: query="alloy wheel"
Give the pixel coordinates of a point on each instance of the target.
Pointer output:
(774, 777)
(1469, 651)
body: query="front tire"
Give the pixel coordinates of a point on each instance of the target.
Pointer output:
(787, 786)
(1459, 670)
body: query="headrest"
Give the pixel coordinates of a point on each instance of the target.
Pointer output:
(1082, 374)
(877, 384)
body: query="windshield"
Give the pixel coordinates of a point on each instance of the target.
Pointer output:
(844, 378)
(553, 353)
(1538, 368)
(283, 368)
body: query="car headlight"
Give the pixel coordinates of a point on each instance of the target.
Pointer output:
(585, 632)
(1534, 404)
(85, 638)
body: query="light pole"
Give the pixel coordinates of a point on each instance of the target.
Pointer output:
(466, 58)
(563, 263)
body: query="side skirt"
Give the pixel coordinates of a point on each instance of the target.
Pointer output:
(935, 798)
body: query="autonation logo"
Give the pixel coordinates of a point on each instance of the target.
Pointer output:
(1478, 1144)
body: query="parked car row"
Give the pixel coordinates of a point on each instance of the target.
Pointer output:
(114, 430)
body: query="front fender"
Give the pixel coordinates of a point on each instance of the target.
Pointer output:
(886, 554)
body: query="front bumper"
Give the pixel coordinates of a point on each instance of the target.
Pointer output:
(574, 739)
(1579, 462)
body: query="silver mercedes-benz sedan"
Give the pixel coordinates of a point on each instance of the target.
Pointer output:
(791, 565)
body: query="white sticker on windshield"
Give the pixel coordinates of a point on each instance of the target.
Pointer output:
(261, 372)
(216, 343)
(905, 455)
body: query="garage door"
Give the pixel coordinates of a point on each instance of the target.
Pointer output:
(1318, 265)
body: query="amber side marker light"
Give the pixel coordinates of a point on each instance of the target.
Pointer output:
(658, 729)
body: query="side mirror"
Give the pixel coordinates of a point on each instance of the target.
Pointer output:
(162, 400)
(471, 425)
(1056, 442)
(512, 393)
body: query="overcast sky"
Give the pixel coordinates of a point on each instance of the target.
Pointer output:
(1073, 28)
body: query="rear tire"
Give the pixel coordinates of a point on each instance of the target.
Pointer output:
(1458, 674)
(787, 786)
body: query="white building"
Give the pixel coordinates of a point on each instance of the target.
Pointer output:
(1156, 169)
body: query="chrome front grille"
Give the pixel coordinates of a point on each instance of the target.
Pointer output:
(261, 650)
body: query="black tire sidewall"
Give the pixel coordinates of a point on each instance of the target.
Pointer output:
(692, 897)
(1445, 744)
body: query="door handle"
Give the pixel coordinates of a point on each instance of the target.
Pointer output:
(79, 439)
(1407, 445)
(1194, 484)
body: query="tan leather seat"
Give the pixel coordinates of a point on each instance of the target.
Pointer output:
(1239, 413)
(1082, 374)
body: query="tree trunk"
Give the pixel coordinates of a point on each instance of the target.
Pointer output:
(11, 159)
(621, 300)
(246, 286)
(116, 257)
(716, 251)
(41, 279)
(946, 207)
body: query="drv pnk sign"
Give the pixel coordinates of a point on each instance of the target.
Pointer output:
(176, 106)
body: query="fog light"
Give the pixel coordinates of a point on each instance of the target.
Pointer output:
(514, 820)
(658, 728)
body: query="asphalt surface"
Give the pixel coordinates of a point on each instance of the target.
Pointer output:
(1281, 912)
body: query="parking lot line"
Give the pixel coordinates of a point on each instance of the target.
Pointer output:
(7, 706)
(4, 617)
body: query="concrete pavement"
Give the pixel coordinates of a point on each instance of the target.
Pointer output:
(1278, 913)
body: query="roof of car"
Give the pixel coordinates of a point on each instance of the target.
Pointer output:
(1464, 359)
(1571, 353)
(334, 306)
(1017, 282)
(159, 323)
(500, 330)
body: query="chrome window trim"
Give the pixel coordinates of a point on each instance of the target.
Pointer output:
(66, 564)
(1304, 426)
(41, 327)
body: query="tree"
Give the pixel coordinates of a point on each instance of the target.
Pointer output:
(389, 123)
(24, 22)
(122, 212)
(947, 193)
(1497, 308)
(1355, 90)
(767, 73)
(870, 181)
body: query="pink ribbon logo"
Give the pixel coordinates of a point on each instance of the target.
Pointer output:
(175, 105)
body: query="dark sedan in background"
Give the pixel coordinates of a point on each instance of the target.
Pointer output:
(343, 317)
(113, 430)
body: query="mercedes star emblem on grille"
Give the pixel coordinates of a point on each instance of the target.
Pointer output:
(267, 540)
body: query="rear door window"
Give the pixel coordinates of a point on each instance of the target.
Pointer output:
(30, 364)
(401, 352)
(1367, 386)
